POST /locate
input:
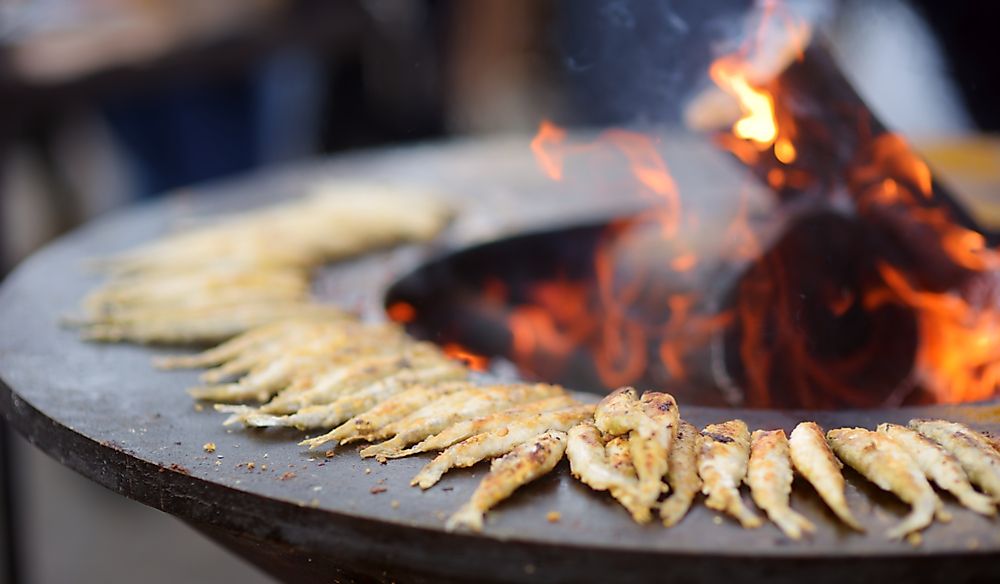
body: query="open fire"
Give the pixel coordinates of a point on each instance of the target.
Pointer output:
(879, 291)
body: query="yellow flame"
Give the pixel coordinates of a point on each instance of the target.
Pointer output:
(758, 123)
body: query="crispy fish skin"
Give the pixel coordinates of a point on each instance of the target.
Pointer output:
(388, 411)
(974, 452)
(619, 455)
(437, 416)
(939, 466)
(683, 476)
(886, 464)
(651, 440)
(589, 463)
(813, 459)
(525, 463)
(722, 465)
(492, 444)
(651, 422)
(770, 476)
(468, 428)
(616, 413)
(351, 404)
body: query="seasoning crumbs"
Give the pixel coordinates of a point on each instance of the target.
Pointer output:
(209, 447)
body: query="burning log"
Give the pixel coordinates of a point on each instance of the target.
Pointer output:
(893, 264)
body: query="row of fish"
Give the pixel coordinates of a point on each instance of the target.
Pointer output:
(209, 283)
(373, 383)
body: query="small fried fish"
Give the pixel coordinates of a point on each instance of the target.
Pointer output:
(939, 466)
(722, 465)
(619, 455)
(813, 458)
(588, 462)
(437, 416)
(468, 428)
(652, 426)
(886, 464)
(390, 410)
(523, 464)
(770, 477)
(683, 476)
(974, 452)
(492, 444)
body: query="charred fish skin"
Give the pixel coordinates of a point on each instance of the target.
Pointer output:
(685, 483)
(522, 465)
(939, 466)
(722, 465)
(888, 466)
(974, 452)
(651, 440)
(770, 476)
(498, 442)
(813, 458)
(589, 463)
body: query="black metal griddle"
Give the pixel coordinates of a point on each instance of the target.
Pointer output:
(104, 412)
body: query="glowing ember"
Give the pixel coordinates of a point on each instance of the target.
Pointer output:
(471, 360)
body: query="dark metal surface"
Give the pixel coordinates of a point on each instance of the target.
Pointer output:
(102, 410)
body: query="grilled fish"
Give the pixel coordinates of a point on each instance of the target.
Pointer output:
(722, 465)
(523, 464)
(437, 416)
(939, 466)
(395, 408)
(683, 476)
(886, 464)
(492, 444)
(813, 458)
(975, 453)
(770, 477)
(589, 463)
(495, 421)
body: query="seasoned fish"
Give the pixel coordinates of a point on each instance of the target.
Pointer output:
(437, 416)
(588, 461)
(813, 458)
(770, 477)
(619, 454)
(616, 413)
(886, 464)
(351, 404)
(330, 384)
(722, 465)
(468, 428)
(651, 440)
(939, 466)
(395, 408)
(652, 425)
(250, 341)
(203, 326)
(525, 463)
(497, 442)
(975, 453)
(683, 476)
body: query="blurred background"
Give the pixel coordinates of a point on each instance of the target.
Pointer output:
(108, 102)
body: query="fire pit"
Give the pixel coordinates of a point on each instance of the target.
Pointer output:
(104, 412)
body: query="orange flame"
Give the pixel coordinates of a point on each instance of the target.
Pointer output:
(545, 146)
(959, 352)
(758, 124)
(471, 360)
